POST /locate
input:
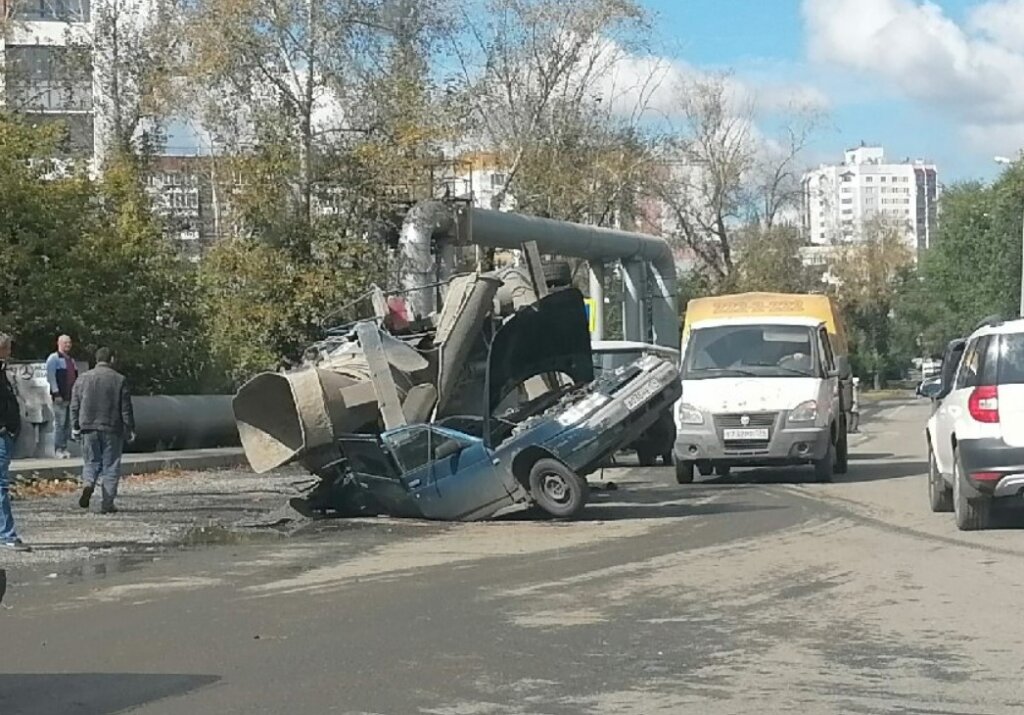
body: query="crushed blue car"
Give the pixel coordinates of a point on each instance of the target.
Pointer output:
(546, 424)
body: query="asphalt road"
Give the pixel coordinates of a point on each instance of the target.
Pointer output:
(760, 593)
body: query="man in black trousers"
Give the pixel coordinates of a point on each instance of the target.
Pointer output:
(101, 411)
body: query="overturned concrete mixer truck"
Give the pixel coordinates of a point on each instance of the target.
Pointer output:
(460, 412)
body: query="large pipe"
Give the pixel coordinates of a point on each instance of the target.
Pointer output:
(467, 304)
(508, 230)
(418, 266)
(634, 325)
(430, 220)
(183, 422)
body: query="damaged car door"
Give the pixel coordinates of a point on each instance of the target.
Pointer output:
(375, 472)
(448, 474)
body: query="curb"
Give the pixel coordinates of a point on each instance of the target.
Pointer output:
(132, 463)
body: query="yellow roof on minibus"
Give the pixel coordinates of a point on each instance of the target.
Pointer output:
(775, 305)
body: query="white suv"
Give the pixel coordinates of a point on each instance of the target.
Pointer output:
(976, 432)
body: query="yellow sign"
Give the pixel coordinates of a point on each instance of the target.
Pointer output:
(591, 306)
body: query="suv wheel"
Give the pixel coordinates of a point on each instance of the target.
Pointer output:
(842, 449)
(824, 467)
(971, 514)
(940, 496)
(684, 471)
(557, 489)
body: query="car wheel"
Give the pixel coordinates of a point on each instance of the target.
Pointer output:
(666, 459)
(842, 450)
(825, 467)
(557, 489)
(940, 496)
(646, 456)
(684, 471)
(723, 470)
(971, 514)
(706, 469)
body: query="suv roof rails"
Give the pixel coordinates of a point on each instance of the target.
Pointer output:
(990, 321)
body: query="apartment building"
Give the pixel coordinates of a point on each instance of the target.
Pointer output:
(841, 200)
(46, 71)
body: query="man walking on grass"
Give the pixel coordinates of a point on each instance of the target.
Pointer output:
(101, 411)
(61, 373)
(10, 423)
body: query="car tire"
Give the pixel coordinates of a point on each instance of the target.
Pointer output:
(971, 514)
(684, 471)
(666, 459)
(706, 468)
(723, 470)
(646, 456)
(824, 468)
(940, 496)
(557, 489)
(842, 450)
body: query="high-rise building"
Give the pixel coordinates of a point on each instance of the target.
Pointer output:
(46, 72)
(839, 201)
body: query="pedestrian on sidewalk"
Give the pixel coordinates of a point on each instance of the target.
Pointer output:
(101, 412)
(10, 423)
(61, 373)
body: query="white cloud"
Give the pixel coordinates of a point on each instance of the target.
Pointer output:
(974, 72)
(1002, 21)
(632, 82)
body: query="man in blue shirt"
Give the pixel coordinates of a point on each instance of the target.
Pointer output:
(61, 372)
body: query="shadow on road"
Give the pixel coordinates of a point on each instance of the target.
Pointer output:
(884, 469)
(858, 472)
(90, 693)
(867, 456)
(647, 504)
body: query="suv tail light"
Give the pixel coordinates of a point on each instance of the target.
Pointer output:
(983, 403)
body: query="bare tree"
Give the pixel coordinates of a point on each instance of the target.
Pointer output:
(720, 175)
(537, 74)
(332, 100)
(135, 50)
(273, 68)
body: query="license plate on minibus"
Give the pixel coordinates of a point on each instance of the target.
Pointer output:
(745, 434)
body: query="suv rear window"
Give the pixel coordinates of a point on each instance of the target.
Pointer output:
(1011, 359)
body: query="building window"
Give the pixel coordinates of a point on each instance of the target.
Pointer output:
(869, 179)
(497, 180)
(881, 178)
(51, 10)
(847, 201)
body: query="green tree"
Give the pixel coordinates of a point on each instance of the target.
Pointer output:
(870, 273)
(261, 304)
(42, 218)
(135, 293)
(769, 260)
(972, 270)
(87, 258)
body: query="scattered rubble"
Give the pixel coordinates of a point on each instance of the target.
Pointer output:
(488, 403)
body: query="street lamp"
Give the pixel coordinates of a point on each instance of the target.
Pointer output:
(1007, 161)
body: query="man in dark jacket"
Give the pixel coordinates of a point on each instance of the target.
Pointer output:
(101, 411)
(10, 423)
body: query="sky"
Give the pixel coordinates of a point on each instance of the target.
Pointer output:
(940, 80)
